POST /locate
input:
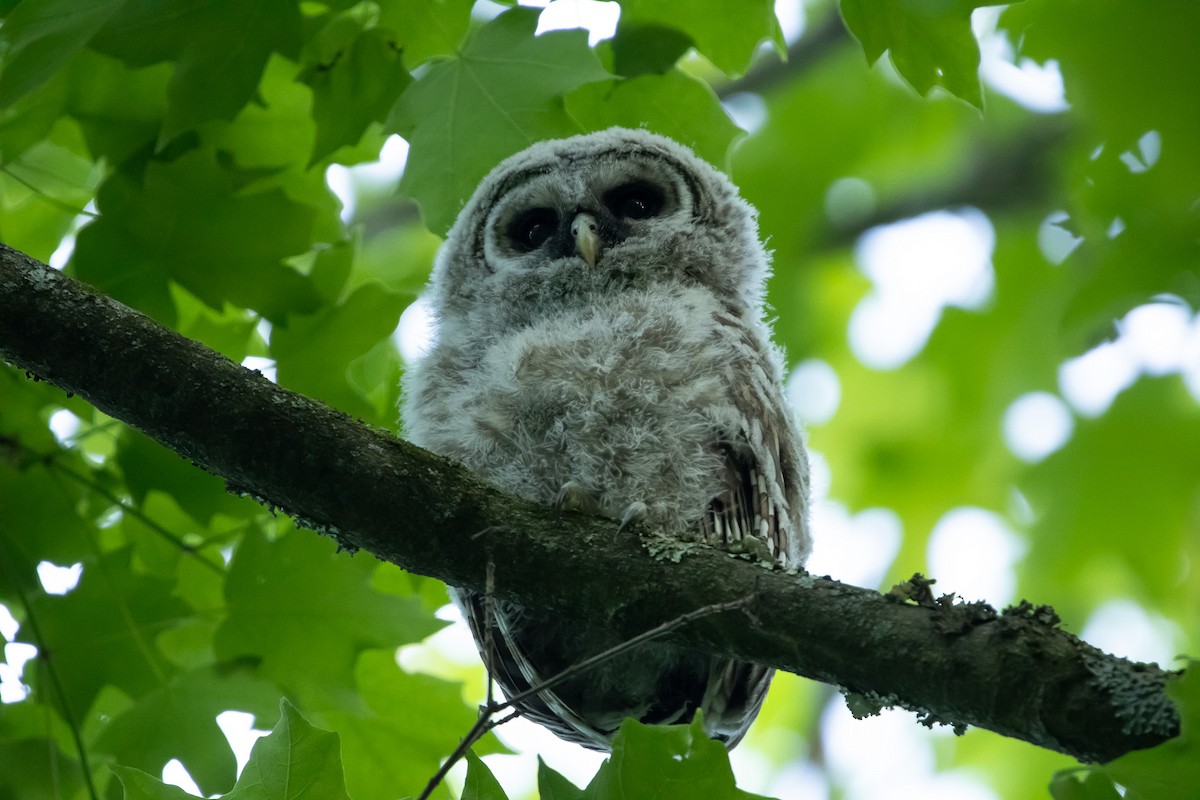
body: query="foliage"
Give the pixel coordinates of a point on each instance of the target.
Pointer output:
(931, 44)
(647, 761)
(181, 150)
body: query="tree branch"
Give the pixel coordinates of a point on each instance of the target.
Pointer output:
(1014, 673)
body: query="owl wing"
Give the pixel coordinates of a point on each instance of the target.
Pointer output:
(765, 473)
(751, 514)
(509, 665)
(761, 510)
(730, 692)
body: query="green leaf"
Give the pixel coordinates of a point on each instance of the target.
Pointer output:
(119, 109)
(414, 720)
(1068, 785)
(140, 786)
(188, 221)
(26, 122)
(400, 258)
(219, 70)
(295, 761)
(158, 550)
(219, 49)
(40, 522)
(480, 783)
(103, 631)
(675, 104)
(306, 612)
(359, 88)
(49, 770)
(553, 786)
(727, 32)
(45, 187)
(42, 35)
(504, 81)
(1117, 99)
(271, 138)
(425, 29)
(314, 353)
(652, 760)
(178, 720)
(1126, 113)
(930, 41)
(228, 333)
(639, 49)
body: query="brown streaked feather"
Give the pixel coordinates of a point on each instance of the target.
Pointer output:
(763, 496)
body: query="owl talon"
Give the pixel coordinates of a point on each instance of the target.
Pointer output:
(573, 497)
(634, 512)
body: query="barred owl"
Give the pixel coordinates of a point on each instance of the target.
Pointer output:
(601, 346)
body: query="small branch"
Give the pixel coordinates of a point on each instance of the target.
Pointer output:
(481, 728)
(52, 462)
(1014, 673)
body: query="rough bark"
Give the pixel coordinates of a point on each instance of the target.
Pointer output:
(1015, 673)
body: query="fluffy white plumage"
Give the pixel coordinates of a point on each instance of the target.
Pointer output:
(601, 340)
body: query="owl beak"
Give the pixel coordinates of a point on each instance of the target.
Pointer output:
(585, 231)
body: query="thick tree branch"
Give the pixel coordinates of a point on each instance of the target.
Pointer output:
(1015, 673)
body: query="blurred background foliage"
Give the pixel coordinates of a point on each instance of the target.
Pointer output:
(987, 275)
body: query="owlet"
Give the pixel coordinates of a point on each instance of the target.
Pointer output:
(601, 345)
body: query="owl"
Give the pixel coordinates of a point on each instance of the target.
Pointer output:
(601, 347)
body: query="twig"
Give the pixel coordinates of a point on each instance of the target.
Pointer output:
(135, 512)
(52, 462)
(480, 729)
(629, 644)
(62, 205)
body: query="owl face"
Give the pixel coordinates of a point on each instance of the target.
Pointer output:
(564, 222)
(583, 212)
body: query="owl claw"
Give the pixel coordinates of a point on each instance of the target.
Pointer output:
(573, 497)
(634, 512)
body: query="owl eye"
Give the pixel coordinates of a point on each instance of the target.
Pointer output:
(531, 229)
(637, 200)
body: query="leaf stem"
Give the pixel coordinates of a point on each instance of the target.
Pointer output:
(51, 461)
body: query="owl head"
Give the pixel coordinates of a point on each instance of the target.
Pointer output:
(566, 221)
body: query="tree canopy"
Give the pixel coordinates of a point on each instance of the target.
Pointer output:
(989, 303)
